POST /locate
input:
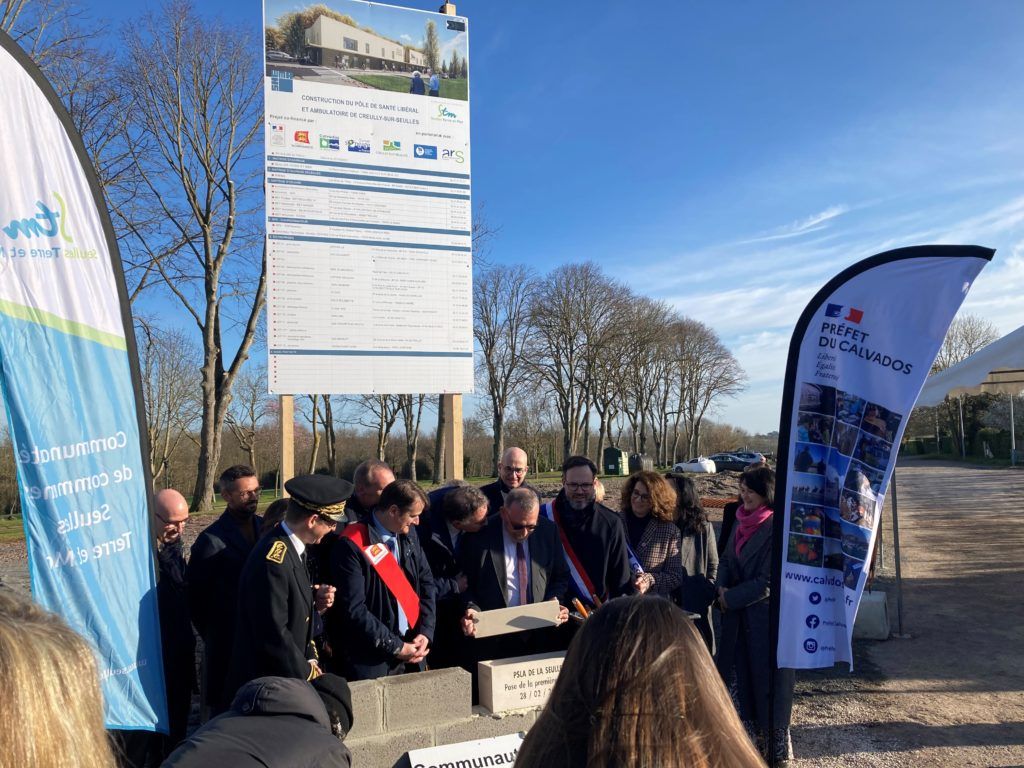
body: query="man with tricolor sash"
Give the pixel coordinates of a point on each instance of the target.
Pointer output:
(384, 608)
(591, 535)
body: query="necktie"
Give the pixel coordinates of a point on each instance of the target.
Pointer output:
(522, 574)
(403, 622)
(455, 542)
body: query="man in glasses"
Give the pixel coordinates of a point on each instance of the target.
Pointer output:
(594, 541)
(515, 560)
(276, 600)
(512, 469)
(215, 566)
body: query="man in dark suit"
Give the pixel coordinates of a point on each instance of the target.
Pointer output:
(274, 634)
(594, 535)
(516, 559)
(178, 642)
(457, 512)
(512, 469)
(218, 556)
(370, 479)
(384, 607)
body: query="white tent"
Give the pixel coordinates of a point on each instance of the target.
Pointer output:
(996, 369)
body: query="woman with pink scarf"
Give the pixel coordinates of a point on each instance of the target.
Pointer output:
(744, 656)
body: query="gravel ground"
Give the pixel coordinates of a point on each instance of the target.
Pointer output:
(950, 691)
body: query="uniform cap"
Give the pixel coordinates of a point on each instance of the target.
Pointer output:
(322, 494)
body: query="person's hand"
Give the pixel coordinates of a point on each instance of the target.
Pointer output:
(324, 597)
(461, 582)
(414, 652)
(563, 614)
(641, 583)
(721, 598)
(468, 625)
(315, 670)
(407, 652)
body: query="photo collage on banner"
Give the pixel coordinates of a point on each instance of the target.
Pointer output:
(843, 445)
(368, 199)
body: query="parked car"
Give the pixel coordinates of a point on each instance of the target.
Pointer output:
(729, 461)
(749, 456)
(279, 56)
(700, 464)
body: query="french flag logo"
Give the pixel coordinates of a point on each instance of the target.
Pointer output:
(836, 310)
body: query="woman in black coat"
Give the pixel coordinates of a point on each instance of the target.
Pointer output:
(744, 578)
(700, 558)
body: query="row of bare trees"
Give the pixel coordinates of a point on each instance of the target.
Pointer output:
(602, 353)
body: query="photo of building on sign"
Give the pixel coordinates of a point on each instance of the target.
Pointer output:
(369, 46)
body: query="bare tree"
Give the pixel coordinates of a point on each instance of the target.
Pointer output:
(194, 113)
(379, 413)
(707, 372)
(47, 30)
(571, 312)
(967, 334)
(169, 369)
(250, 405)
(313, 418)
(412, 414)
(501, 326)
(442, 419)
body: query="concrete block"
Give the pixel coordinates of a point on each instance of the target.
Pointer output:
(520, 681)
(484, 726)
(426, 698)
(872, 617)
(367, 709)
(388, 749)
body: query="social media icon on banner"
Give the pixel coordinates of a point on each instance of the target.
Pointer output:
(814, 597)
(813, 621)
(810, 645)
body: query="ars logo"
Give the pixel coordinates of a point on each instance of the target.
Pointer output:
(836, 310)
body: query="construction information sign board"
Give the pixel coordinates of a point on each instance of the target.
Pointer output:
(368, 209)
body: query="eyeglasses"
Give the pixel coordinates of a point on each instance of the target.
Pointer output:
(255, 493)
(165, 521)
(515, 470)
(516, 527)
(641, 496)
(579, 486)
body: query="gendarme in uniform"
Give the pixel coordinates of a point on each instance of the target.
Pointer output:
(274, 635)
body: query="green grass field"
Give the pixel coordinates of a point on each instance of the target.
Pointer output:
(450, 89)
(12, 530)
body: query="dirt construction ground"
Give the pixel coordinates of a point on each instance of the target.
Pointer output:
(949, 693)
(952, 692)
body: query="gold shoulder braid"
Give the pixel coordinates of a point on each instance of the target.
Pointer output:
(277, 552)
(332, 509)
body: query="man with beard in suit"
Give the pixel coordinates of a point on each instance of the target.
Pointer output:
(218, 556)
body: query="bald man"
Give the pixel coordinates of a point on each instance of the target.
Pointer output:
(170, 514)
(512, 469)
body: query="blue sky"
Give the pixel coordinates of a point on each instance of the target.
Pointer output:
(730, 158)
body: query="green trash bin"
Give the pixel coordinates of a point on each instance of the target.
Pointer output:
(615, 462)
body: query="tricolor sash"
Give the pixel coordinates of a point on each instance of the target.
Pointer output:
(388, 568)
(580, 581)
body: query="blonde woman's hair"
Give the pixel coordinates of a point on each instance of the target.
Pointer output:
(50, 699)
(639, 689)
